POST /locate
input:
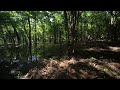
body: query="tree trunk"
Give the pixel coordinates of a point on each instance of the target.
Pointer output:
(55, 34)
(15, 31)
(35, 32)
(35, 37)
(50, 39)
(73, 36)
(25, 32)
(67, 29)
(26, 37)
(60, 42)
(43, 27)
(30, 43)
(113, 26)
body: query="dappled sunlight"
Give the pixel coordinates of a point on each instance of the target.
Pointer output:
(52, 67)
(65, 64)
(88, 60)
(108, 48)
(86, 74)
(108, 68)
(114, 49)
(114, 66)
(75, 69)
(95, 49)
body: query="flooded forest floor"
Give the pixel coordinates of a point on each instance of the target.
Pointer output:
(94, 60)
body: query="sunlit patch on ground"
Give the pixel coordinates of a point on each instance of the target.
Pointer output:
(95, 49)
(114, 49)
(109, 48)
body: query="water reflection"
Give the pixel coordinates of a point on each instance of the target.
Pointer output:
(18, 58)
(34, 58)
(21, 59)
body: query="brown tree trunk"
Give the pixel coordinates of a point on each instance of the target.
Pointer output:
(16, 33)
(74, 27)
(30, 43)
(66, 18)
(113, 26)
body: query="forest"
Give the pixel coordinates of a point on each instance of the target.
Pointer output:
(59, 44)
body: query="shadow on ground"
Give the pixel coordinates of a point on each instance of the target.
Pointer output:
(93, 60)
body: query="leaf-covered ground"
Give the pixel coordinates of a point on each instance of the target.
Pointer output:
(75, 69)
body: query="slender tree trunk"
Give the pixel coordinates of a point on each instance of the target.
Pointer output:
(35, 38)
(15, 31)
(26, 37)
(60, 42)
(43, 27)
(66, 17)
(35, 32)
(113, 27)
(55, 33)
(25, 32)
(50, 39)
(7, 31)
(30, 43)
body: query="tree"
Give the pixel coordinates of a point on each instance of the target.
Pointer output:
(30, 42)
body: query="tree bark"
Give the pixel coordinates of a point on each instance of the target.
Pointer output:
(43, 27)
(16, 33)
(113, 26)
(30, 43)
(66, 17)
(74, 27)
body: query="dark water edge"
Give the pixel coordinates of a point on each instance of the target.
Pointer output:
(18, 60)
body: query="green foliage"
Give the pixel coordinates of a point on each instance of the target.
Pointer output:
(93, 25)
